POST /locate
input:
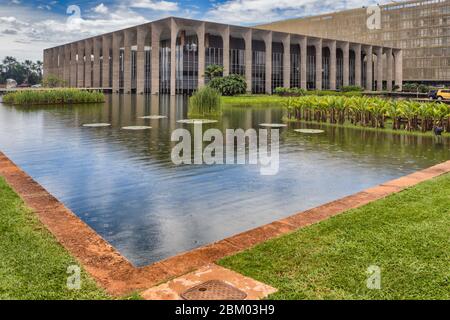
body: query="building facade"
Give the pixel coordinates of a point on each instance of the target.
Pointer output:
(420, 27)
(125, 60)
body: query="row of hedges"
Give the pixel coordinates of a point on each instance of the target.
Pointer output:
(297, 92)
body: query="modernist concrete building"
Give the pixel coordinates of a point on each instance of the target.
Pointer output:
(124, 61)
(420, 27)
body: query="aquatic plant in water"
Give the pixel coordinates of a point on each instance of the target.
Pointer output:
(205, 101)
(53, 96)
(370, 112)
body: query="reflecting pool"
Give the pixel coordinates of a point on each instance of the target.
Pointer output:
(124, 185)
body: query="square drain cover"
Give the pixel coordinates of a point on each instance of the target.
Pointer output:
(213, 290)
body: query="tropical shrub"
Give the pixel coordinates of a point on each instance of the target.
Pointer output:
(53, 96)
(351, 89)
(213, 70)
(205, 101)
(410, 87)
(281, 91)
(52, 81)
(370, 112)
(230, 85)
(423, 88)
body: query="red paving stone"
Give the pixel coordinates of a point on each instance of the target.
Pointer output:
(118, 276)
(173, 289)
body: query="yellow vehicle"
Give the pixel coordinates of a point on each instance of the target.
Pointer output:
(443, 94)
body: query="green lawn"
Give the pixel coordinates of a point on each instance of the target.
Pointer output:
(253, 100)
(407, 235)
(32, 263)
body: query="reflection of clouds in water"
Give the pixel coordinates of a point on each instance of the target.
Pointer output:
(154, 117)
(136, 128)
(96, 125)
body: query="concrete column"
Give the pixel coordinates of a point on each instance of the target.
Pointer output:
(56, 61)
(45, 63)
(127, 42)
(88, 65)
(333, 63)
(156, 33)
(73, 65)
(226, 51)
(80, 65)
(173, 56)
(66, 76)
(201, 55)
(358, 78)
(140, 59)
(248, 59)
(346, 63)
(287, 61)
(268, 43)
(379, 52)
(51, 61)
(303, 60)
(398, 54)
(96, 74)
(106, 46)
(116, 42)
(389, 62)
(319, 65)
(369, 70)
(59, 62)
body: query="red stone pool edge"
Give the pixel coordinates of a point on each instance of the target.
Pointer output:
(119, 277)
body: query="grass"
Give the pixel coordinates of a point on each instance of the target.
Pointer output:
(205, 101)
(33, 265)
(53, 96)
(253, 100)
(406, 235)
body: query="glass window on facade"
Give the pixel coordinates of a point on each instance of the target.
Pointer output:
(311, 68)
(187, 65)
(259, 72)
(148, 70)
(121, 67)
(295, 70)
(237, 62)
(110, 68)
(352, 75)
(339, 69)
(277, 70)
(164, 67)
(326, 69)
(133, 69)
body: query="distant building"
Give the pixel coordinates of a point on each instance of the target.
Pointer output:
(420, 27)
(11, 83)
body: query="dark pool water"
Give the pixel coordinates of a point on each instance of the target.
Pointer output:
(124, 185)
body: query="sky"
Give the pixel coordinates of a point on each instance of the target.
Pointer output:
(28, 27)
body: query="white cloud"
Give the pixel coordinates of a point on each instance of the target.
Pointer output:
(154, 5)
(101, 8)
(264, 11)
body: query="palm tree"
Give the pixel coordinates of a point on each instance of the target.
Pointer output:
(28, 64)
(39, 66)
(9, 62)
